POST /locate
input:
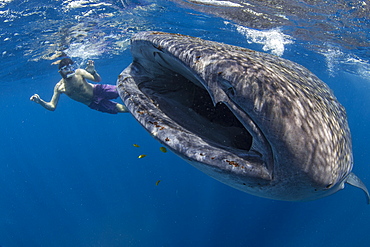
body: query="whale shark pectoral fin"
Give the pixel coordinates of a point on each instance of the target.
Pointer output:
(353, 180)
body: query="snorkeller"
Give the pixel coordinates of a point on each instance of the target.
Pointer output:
(75, 86)
(67, 68)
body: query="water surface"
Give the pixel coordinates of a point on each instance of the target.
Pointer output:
(72, 177)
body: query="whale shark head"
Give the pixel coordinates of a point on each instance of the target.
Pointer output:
(254, 121)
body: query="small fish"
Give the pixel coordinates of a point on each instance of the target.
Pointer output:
(156, 183)
(135, 145)
(142, 156)
(163, 149)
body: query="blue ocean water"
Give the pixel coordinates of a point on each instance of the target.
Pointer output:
(73, 178)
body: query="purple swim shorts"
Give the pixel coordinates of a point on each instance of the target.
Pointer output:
(102, 95)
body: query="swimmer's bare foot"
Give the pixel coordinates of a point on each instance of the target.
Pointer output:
(121, 108)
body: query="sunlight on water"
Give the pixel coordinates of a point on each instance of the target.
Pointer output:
(93, 50)
(90, 29)
(103, 28)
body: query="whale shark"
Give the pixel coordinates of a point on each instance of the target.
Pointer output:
(254, 121)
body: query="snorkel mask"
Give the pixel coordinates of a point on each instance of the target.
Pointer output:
(68, 71)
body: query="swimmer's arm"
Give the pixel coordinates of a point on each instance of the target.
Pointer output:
(52, 105)
(95, 77)
(90, 73)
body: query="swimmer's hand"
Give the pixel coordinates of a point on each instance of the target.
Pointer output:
(35, 98)
(90, 67)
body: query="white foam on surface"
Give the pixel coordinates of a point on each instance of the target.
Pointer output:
(273, 40)
(74, 4)
(85, 50)
(361, 66)
(217, 3)
(338, 60)
(3, 3)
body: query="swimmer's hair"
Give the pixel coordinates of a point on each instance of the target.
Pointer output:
(64, 62)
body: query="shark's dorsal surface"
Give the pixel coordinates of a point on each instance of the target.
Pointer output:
(254, 121)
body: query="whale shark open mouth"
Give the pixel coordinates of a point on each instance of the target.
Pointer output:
(173, 103)
(190, 106)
